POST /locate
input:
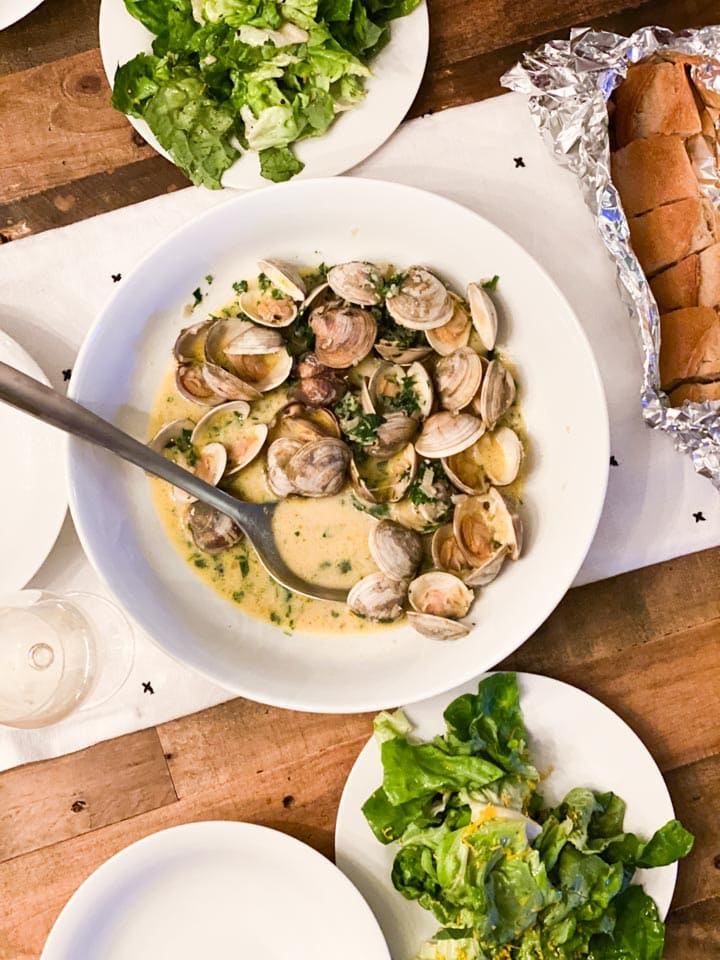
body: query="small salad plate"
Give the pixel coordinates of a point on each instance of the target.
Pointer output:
(216, 889)
(574, 741)
(33, 495)
(391, 88)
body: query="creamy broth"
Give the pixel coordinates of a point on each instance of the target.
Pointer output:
(324, 540)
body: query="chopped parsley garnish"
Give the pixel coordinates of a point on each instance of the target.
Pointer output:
(357, 426)
(200, 562)
(423, 489)
(240, 286)
(400, 336)
(277, 294)
(264, 282)
(275, 617)
(406, 399)
(334, 613)
(238, 595)
(244, 562)
(301, 338)
(490, 284)
(183, 444)
(344, 566)
(197, 296)
(391, 286)
(209, 278)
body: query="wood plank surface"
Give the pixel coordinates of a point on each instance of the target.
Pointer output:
(647, 643)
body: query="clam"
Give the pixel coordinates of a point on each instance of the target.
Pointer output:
(173, 440)
(483, 313)
(484, 525)
(445, 433)
(384, 480)
(422, 302)
(436, 628)
(223, 333)
(378, 597)
(493, 460)
(486, 572)
(497, 394)
(318, 391)
(297, 421)
(457, 377)
(446, 554)
(211, 531)
(393, 435)
(344, 335)
(399, 354)
(190, 344)
(396, 550)
(226, 385)
(283, 277)
(279, 454)
(253, 339)
(227, 424)
(268, 310)
(192, 385)
(318, 468)
(357, 282)
(308, 366)
(263, 371)
(211, 463)
(453, 334)
(317, 297)
(440, 594)
(393, 388)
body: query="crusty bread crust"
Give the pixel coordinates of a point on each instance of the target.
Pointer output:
(672, 232)
(654, 98)
(649, 173)
(691, 346)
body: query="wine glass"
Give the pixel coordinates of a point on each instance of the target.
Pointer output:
(59, 654)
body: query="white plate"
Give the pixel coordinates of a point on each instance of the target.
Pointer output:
(126, 354)
(33, 494)
(397, 72)
(13, 10)
(219, 890)
(577, 738)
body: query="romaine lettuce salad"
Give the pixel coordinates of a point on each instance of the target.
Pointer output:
(506, 877)
(252, 74)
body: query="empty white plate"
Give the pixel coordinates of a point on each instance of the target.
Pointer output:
(33, 493)
(573, 738)
(216, 890)
(13, 10)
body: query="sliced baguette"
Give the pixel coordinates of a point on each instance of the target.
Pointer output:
(690, 346)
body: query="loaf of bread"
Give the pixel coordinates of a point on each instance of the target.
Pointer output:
(665, 157)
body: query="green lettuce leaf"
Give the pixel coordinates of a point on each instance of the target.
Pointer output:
(413, 770)
(279, 164)
(135, 83)
(668, 844)
(638, 934)
(154, 14)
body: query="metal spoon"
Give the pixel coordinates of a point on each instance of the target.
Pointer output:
(254, 519)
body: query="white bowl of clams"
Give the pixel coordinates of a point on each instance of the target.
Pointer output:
(410, 388)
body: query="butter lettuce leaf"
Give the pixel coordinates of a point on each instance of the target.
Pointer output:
(279, 164)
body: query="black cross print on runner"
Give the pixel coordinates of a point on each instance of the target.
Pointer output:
(613, 462)
(116, 277)
(699, 516)
(519, 162)
(66, 375)
(148, 688)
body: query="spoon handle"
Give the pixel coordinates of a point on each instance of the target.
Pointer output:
(51, 407)
(254, 519)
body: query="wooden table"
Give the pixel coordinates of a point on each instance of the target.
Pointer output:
(647, 643)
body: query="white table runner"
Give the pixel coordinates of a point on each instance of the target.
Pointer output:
(487, 156)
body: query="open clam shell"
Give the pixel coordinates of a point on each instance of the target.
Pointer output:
(190, 344)
(268, 310)
(440, 594)
(422, 302)
(436, 628)
(378, 597)
(174, 441)
(446, 554)
(253, 339)
(445, 433)
(263, 371)
(191, 384)
(297, 421)
(393, 435)
(284, 277)
(211, 463)
(396, 550)
(485, 524)
(344, 335)
(357, 282)
(401, 355)
(318, 468)
(453, 334)
(457, 377)
(384, 479)
(493, 460)
(393, 388)
(483, 313)
(228, 425)
(497, 394)
(226, 385)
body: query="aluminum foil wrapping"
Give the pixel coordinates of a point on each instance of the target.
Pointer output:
(569, 83)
